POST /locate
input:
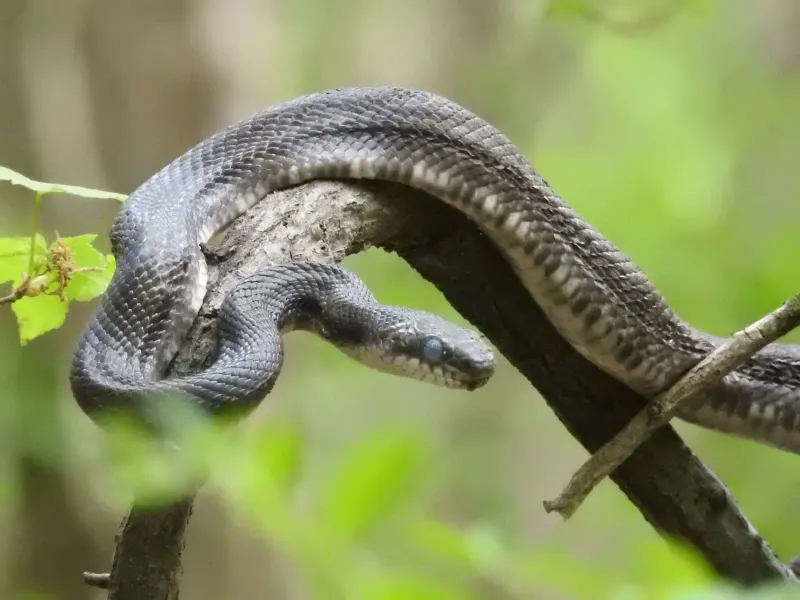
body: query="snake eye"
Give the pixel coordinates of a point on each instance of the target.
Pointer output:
(432, 349)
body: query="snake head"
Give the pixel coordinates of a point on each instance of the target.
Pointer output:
(426, 347)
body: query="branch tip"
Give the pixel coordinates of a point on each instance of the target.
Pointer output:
(98, 580)
(712, 369)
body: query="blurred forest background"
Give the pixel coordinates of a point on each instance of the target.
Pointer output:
(677, 137)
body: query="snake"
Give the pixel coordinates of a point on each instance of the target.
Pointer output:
(597, 299)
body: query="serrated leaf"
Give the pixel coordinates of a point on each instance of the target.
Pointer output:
(87, 285)
(84, 253)
(374, 478)
(38, 315)
(15, 256)
(15, 178)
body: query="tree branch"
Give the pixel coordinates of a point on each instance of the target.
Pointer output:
(147, 560)
(712, 369)
(321, 222)
(324, 221)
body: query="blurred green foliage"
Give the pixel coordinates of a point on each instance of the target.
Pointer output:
(364, 535)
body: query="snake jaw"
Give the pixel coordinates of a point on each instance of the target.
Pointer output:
(409, 366)
(477, 384)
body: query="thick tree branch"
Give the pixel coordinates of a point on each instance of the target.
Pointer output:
(712, 369)
(322, 222)
(325, 221)
(147, 560)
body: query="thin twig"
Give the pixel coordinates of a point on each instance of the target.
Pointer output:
(37, 202)
(729, 356)
(35, 286)
(98, 580)
(15, 295)
(28, 286)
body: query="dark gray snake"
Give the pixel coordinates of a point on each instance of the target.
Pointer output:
(597, 299)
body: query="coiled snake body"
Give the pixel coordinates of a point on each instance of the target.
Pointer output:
(592, 293)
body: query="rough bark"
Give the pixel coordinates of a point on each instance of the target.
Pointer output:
(678, 495)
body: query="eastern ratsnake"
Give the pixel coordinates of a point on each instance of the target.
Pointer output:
(601, 303)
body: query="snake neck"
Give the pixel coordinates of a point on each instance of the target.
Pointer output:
(321, 299)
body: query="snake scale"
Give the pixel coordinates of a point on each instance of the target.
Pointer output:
(597, 299)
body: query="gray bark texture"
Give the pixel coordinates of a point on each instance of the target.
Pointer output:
(325, 221)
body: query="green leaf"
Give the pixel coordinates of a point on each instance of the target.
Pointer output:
(672, 565)
(15, 257)
(444, 542)
(264, 468)
(486, 547)
(551, 568)
(15, 178)
(279, 451)
(373, 479)
(38, 315)
(143, 466)
(479, 547)
(87, 285)
(84, 254)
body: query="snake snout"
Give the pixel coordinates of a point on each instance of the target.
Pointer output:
(476, 365)
(480, 373)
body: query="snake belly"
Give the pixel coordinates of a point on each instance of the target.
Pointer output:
(597, 299)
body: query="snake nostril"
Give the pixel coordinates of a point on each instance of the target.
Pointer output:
(484, 370)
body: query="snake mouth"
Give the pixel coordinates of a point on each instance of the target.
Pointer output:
(477, 383)
(480, 372)
(455, 380)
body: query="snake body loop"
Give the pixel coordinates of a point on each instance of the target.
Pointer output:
(593, 294)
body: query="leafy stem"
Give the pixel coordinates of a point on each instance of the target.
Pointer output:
(37, 202)
(18, 292)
